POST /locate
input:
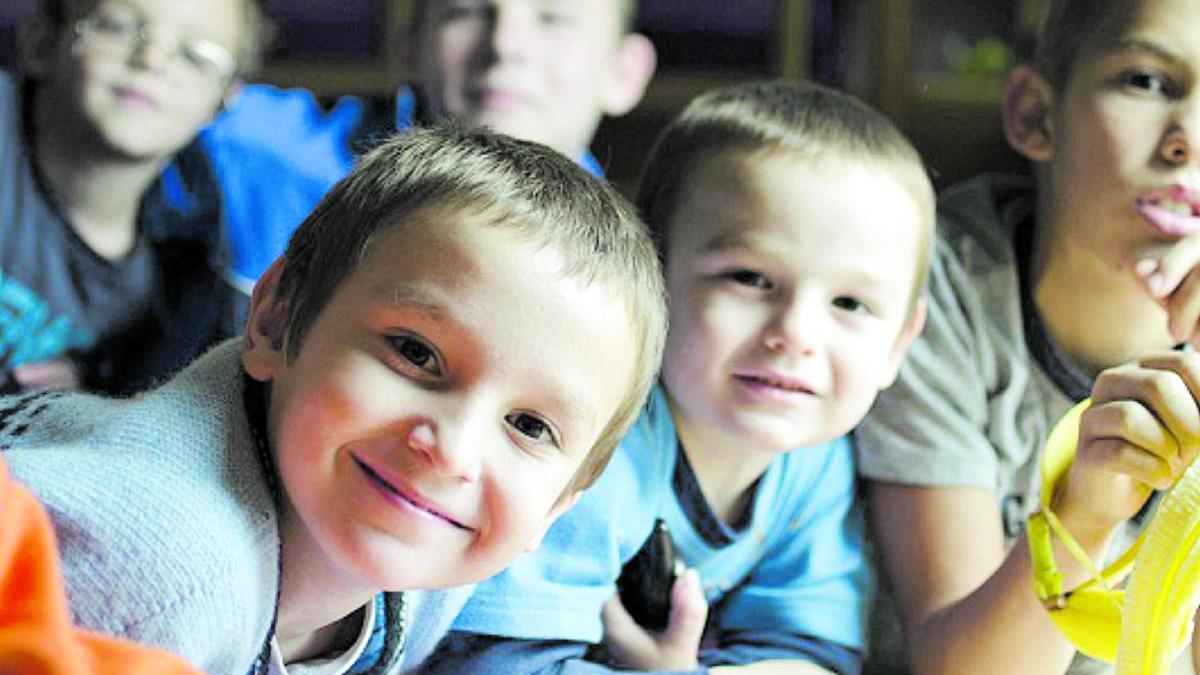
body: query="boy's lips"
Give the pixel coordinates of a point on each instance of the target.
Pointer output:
(774, 380)
(136, 97)
(407, 497)
(1173, 211)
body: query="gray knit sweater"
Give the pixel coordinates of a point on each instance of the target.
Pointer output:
(164, 516)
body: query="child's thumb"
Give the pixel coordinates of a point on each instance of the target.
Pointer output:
(689, 610)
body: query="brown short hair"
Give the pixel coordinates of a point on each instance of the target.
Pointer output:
(421, 9)
(800, 118)
(1069, 28)
(507, 183)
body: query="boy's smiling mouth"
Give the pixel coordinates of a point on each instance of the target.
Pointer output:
(406, 498)
(1173, 211)
(774, 381)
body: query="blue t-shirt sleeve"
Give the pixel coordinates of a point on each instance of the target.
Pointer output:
(813, 579)
(463, 652)
(739, 648)
(276, 152)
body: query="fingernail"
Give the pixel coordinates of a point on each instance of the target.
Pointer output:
(1145, 267)
(1156, 283)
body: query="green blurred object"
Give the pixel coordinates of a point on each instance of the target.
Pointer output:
(990, 57)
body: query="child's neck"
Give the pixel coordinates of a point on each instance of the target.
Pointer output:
(98, 191)
(1099, 316)
(724, 467)
(318, 603)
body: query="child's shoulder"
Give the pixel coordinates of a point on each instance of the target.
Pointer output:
(811, 473)
(986, 210)
(164, 538)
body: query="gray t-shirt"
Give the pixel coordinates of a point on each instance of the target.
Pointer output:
(982, 387)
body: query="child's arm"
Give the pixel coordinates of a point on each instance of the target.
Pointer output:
(35, 631)
(969, 607)
(462, 652)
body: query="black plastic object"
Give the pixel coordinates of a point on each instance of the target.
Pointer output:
(646, 580)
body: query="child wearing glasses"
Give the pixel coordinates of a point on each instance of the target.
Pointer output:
(110, 238)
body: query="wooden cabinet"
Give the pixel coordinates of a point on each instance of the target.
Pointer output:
(937, 69)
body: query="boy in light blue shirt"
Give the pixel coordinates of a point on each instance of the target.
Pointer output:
(795, 225)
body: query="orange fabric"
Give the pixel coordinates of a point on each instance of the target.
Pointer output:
(36, 636)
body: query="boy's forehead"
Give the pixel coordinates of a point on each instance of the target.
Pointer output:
(599, 13)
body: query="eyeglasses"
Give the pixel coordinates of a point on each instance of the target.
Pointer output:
(120, 34)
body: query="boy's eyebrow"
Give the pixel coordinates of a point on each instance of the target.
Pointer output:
(1140, 46)
(725, 241)
(413, 297)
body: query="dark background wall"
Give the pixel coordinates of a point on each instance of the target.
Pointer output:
(934, 66)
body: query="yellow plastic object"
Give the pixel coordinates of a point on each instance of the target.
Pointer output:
(1145, 628)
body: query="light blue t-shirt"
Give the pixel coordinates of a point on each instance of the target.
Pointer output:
(797, 566)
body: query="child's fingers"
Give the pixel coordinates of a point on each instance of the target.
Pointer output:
(1183, 308)
(1150, 464)
(1166, 385)
(689, 610)
(1127, 438)
(628, 641)
(1164, 274)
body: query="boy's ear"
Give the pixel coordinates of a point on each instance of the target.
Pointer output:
(559, 508)
(37, 41)
(1028, 114)
(628, 74)
(264, 350)
(912, 328)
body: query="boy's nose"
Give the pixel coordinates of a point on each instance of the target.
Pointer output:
(148, 53)
(452, 454)
(1176, 148)
(796, 329)
(510, 31)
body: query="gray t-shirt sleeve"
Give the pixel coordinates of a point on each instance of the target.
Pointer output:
(930, 427)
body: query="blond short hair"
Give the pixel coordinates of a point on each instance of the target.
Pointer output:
(800, 118)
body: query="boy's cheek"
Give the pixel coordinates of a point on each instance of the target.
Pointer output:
(559, 508)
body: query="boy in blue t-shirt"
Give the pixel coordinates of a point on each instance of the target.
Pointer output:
(536, 70)
(795, 225)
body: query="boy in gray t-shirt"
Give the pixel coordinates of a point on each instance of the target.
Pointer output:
(1038, 293)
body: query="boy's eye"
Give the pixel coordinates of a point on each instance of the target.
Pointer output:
(116, 23)
(750, 278)
(416, 353)
(208, 57)
(1148, 82)
(464, 9)
(531, 427)
(851, 304)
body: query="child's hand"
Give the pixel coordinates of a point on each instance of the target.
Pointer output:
(673, 649)
(1174, 282)
(58, 373)
(1141, 434)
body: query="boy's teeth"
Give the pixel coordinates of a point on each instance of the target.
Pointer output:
(1181, 208)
